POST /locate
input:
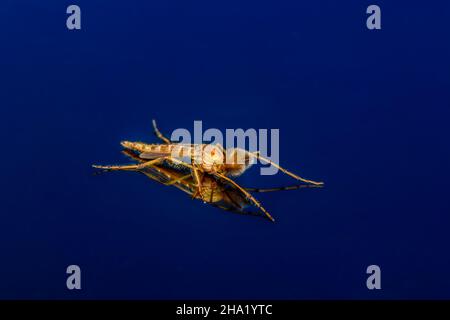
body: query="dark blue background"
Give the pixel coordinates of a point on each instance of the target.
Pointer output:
(365, 111)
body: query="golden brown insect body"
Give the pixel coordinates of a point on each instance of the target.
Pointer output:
(210, 158)
(207, 166)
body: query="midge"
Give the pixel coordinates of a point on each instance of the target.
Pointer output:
(218, 194)
(203, 161)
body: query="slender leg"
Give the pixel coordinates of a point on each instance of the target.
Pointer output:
(258, 156)
(176, 180)
(248, 195)
(160, 170)
(179, 179)
(230, 198)
(211, 196)
(300, 186)
(150, 163)
(187, 165)
(195, 171)
(198, 182)
(159, 134)
(133, 167)
(153, 177)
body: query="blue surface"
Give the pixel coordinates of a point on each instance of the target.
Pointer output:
(365, 111)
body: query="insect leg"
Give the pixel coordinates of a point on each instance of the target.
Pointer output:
(258, 156)
(198, 182)
(178, 179)
(159, 134)
(248, 195)
(114, 168)
(158, 179)
(195, 173)
(151, 162)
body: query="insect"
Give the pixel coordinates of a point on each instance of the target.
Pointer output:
(206, 171)
(215, 192)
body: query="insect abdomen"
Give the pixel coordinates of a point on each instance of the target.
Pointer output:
(161, 149)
